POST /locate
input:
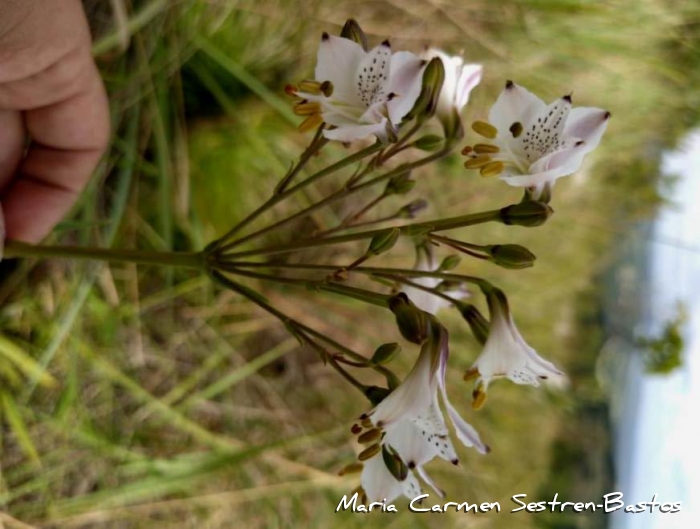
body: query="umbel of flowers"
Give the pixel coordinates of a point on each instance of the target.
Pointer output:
(406, 109)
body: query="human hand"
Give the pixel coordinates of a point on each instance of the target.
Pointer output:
(50, 93)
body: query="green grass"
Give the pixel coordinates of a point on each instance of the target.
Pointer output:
(134, 397)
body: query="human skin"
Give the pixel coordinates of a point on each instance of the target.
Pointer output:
(54, 115)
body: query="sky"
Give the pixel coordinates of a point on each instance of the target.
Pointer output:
(659, 451)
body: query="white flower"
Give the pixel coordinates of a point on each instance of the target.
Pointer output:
(371, 91)
(413, 425)
(506, 354)
(534, 144)
(460, 80)
(425, 300)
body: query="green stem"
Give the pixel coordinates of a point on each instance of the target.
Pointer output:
(435, 225)
(316, 145)
(180, 259)
(368, 270)
(277, 198)
(366, 296)
(335, 197)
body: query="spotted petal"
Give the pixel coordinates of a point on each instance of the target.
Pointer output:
(514, 104)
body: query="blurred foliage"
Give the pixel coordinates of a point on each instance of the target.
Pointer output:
(135, 397)
(664, 354)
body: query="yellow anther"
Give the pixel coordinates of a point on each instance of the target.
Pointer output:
(310, 87)
(369, 452)
(370, 436)
(310, 123)
(486, 148)
(352, 468)
(479, 396)
(471, 374)
(492, 169)
(478, 162)
(307, 109)
(485, 129)
(367, 423)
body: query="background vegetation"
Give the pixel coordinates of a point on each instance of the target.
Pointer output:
(138, 397)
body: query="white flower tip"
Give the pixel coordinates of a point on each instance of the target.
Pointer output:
(386, 44)
(455, 462)
(606, 115)
(567, 98)
(509, 84)
(325, 37)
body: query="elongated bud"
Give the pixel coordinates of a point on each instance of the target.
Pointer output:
(394, 464)
(413, 323)
(527, 213)
(452, 125)
(429, 142)
(385, 353)
(476, 321)
(400, 185)
(449, 263)
(375, 395)
(433, 78)
(410, 210)
(384, 241)
(511, 256)
(352, 30)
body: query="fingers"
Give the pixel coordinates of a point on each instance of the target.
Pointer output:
(12, 139)
(68, 138)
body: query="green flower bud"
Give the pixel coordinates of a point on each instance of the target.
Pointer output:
(429, 142)
(413, 323)
(384, 241)
(352, 31)
(476, 321)
(449, 263)
(394, 464)
(433, 78)
(528, 213)
(375, 394)
(511, 256)
(385, 353)
(410, 210)
(400, 185)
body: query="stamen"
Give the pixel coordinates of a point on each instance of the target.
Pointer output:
(367, 423)
(471, 373)
(310, 87)
(356, 429)
(477, 162)
(492, 169)
(370, 436)
(306, 109)
(467, 150)
(516, 129)
(485, 129)
(367, 453)
(310, 123)
(486, 148)
(327, 88)
(479, 397)
(352, 468)
(291, 90)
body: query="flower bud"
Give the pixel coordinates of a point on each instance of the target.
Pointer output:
(429, 142)
(376, 395)
(413, 323)
(433, 78)
(476, 321)
(384, 241)
(394, 464)
(400, 185)
(410, 210)
(511, 256)
(526, 213)
(449, 263)
(352, 31)
(385, 353)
